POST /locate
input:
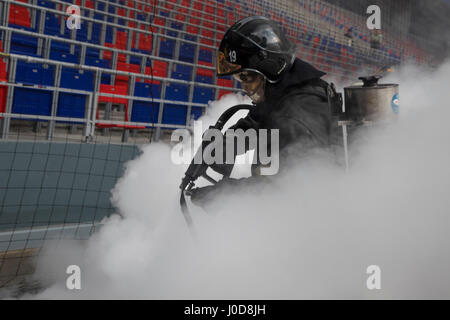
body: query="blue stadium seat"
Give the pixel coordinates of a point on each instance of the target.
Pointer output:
(34, 73)
(177, 26)
(60, 46)
(63, 56)
(32, 101)
(106, 78)
(96, 33)
(101, 6)
(135, 59)
(146, 111)
(187, 52)
(182, 72)
(52, 26)
(99, 16)
(166, 49)
(204, 79)
(109, 34)
(174, 113)
(82, 33)
(47, 4)
(196, 112)
(203, 94)
(146, 90)
(71, 105)
(96, 62)
(92, 53)
(205, 55)
(23, 44)
(190, 37)
(323, 44)
(77, 79)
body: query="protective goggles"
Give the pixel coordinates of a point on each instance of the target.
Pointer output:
(250, 80)
(225, 67)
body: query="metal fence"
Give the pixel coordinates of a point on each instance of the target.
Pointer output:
(135, 70)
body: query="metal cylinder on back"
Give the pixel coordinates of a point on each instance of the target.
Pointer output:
(371, 101)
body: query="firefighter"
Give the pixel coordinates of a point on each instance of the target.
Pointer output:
(288, 93)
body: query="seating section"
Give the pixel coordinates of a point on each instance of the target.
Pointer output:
(172, 42)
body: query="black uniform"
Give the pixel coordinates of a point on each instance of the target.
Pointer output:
(297, 105)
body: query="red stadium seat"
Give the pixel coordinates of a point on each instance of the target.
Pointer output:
(191, 29)
(205, 72)
(224, 83)
(121, 40)
(159, 70)
(198, 6)
(89, 3)
(145, 42)
(159, 22)
(106, 88)
(122, 66)
(19, 15)
(118, 89)
(180, 17)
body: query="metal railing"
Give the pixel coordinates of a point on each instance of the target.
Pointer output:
(90, 119)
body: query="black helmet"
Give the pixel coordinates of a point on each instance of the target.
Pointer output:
(255, 43)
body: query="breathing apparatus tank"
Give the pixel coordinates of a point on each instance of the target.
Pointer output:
(371, 101)
(367, 105)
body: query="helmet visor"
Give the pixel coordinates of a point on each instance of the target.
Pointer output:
(225, 67)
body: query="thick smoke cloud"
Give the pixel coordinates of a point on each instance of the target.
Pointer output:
(311, 234)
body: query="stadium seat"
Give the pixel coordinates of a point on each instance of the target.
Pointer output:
(19, 15)
(71, 105)
(47, 4)
(77, 79)
(174, 113)
(205, 55)
(203, 94)
(147, 90)
(128, 67)
(187, 52)
(182, 72)
(145, 42)
(63, 56)
(32, 101)
(159, 69)
(3, 89)
(166, 48)
(224, 83)
(22, 44)
(146, 111)
(3, 94)
(3, 71)
(34, 73)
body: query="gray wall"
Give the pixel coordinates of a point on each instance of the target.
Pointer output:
(51, 183)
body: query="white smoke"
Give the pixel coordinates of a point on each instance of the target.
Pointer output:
(312, 234)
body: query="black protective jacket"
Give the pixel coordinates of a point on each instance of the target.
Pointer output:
(298, 106)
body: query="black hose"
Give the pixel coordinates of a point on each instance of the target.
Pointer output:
(195, 170)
